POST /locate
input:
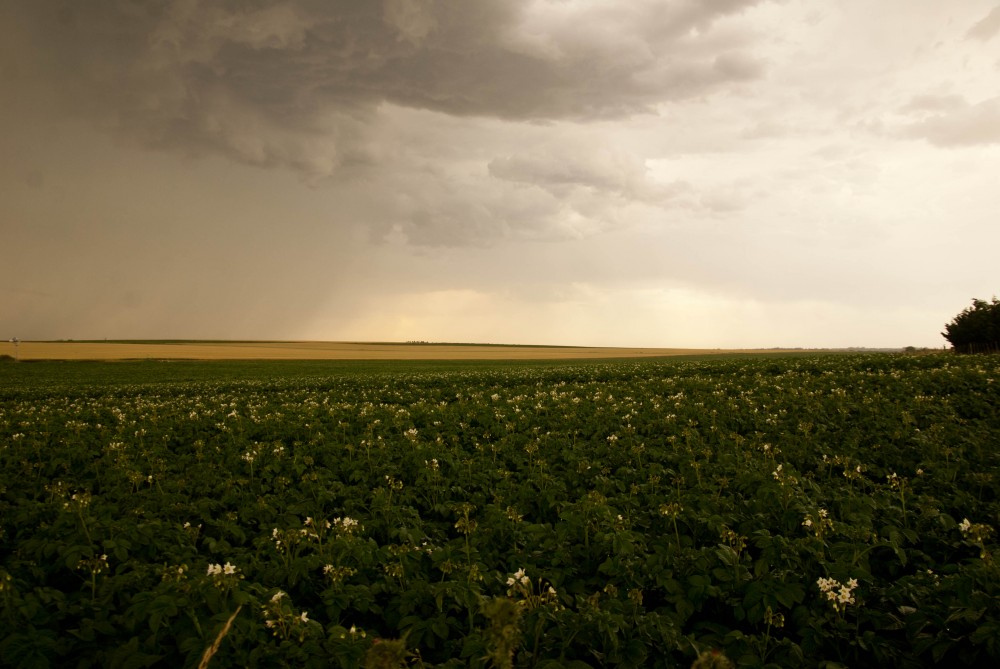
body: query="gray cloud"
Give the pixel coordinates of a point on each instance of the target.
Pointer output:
(562, 191)
(294, 83)
(961, 125)
(304, 84)
(433, 210)
(501, 170)
(987, 27)
(561, 172)
(934, 103)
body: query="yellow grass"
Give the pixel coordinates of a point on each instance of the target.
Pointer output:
(214, 648)
(33, 350)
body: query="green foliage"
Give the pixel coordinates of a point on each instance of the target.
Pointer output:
(976, 329)
(801, 511)
(386, 654)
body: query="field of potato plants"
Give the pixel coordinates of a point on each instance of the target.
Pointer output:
(811, 510)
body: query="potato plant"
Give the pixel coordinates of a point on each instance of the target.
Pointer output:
(798, 511)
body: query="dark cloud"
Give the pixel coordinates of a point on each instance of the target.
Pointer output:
(295, 83)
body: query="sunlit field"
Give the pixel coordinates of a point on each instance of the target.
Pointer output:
(808, 510)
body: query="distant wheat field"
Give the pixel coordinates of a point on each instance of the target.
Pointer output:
(287, 350)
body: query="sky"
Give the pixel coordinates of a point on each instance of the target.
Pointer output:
(668, 173)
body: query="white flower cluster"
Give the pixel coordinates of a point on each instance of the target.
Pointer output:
(224, 576)
(287, 539)
(897, 482)
(820, 524)
(337, 574)
(308, 522)
(839, 594)
(346, 525)
(217, 569)
(281, 619)
(782, 477)
(519, 584)
(518, 578)
(977, 533)
(315, 529)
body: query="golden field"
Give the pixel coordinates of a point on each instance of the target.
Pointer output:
(303, 350)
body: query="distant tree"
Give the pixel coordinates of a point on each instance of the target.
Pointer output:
(976, 329)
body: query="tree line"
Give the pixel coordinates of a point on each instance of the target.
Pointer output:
(976, 329)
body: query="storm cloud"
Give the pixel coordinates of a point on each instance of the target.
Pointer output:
(656, 172)
(296, 83)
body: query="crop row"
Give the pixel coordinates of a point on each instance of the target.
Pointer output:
(787, 512)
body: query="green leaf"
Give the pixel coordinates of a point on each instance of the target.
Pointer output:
(789, 594)
(987, 632)
(33, 649)
(130, 657)
(440, 627)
